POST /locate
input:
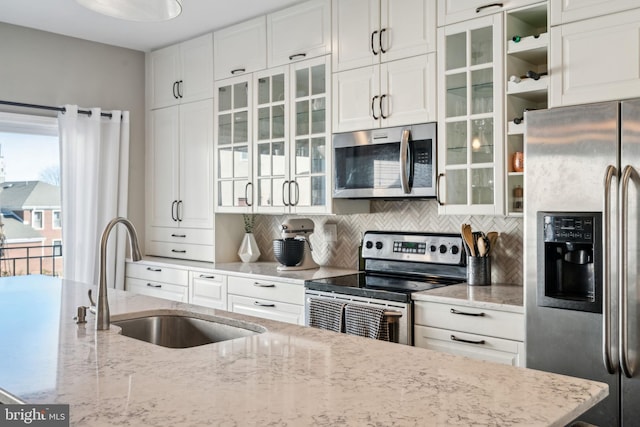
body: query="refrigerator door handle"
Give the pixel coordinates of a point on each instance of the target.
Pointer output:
(622, 269)
(609, 363)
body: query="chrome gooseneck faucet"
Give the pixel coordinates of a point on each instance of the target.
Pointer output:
(103, 317)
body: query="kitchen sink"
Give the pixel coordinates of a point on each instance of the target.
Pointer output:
(184, 331)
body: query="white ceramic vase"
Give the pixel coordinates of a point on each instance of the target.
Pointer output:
(249, 251)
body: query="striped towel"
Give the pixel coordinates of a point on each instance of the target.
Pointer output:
(325, 314)
(365, 321)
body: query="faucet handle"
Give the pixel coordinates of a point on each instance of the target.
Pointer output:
(92, 306)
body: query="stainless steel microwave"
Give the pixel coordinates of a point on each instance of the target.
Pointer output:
(388, 163)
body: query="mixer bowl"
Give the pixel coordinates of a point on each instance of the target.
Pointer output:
(288, 252)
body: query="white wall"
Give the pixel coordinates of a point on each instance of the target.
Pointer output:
(37, 67)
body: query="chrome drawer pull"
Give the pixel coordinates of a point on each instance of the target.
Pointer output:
(154, 269)
(454, 311)
(264, 285)
(151, 285)
(261, 304)
(454, 338)
(204, 276)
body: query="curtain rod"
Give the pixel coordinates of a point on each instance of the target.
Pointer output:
(46, 107)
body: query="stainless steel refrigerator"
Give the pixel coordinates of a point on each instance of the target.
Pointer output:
(582, 259)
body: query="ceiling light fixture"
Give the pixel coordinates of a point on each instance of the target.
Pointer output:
(136, 10)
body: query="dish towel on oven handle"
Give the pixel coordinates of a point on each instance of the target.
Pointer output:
(326, 314)
(366, 321)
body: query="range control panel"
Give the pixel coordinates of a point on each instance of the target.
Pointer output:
(439, 248)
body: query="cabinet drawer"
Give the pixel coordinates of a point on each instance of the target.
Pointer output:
(299, 32)
(475, 346)
(142, 271)
(266, 309)
(181, 251)
(501, 324)
(157, 289)
(208, 289)
(451, 11)
(180, 235)
(267, 289)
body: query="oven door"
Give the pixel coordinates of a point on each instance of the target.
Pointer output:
(398, 316)
(385, 163)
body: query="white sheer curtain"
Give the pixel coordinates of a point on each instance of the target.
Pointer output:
(94, 154)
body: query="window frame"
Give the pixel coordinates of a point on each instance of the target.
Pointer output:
(53, 219)
(33, 214)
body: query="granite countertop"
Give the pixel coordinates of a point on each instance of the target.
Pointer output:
(289, 375)
(497, 296)
(256, 270)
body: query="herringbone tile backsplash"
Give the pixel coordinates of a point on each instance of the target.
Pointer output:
(506, 262)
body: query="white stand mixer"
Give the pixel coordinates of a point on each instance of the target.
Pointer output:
(299, 229)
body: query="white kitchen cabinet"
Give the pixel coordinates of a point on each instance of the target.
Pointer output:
(179, 179)
(368, 32)
(595, 59)
(565, 11)
(269, 299)
(181, 73)
(299, 32)
(240, 49)
(390, 94)
(233, 115)
(452, 11)
(208, 289)
(470, 117)
(157, 281)
(481, 333)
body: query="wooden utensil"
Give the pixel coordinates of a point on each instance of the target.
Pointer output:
(483, 250)
(467, 235)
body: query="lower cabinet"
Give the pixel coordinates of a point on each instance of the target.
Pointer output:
(268, 299)
(480, 333)
(157, 281)
(208, 289)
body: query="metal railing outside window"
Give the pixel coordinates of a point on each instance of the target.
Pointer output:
(23, 260)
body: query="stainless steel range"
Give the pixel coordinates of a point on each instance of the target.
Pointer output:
(396, 264)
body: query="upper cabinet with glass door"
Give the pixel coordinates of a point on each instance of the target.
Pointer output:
(271, 167)
(232, 115)
(292, 141)
(470, 143)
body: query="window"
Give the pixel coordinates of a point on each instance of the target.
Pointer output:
(57, 248)
(30, 177)
(37, 221)
(57, 220)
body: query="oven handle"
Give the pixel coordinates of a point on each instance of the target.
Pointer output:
(405, 156)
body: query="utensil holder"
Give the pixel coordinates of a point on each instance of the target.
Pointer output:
(478, 271)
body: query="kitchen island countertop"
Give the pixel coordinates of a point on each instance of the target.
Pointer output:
(289, 375)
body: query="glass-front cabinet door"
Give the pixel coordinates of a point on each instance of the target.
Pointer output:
(271, 137)
(310, 150)
(470, 141)
(233, 117)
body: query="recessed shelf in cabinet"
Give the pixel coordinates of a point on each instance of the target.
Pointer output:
(533, 90)
(515, 129)
(528, 46)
